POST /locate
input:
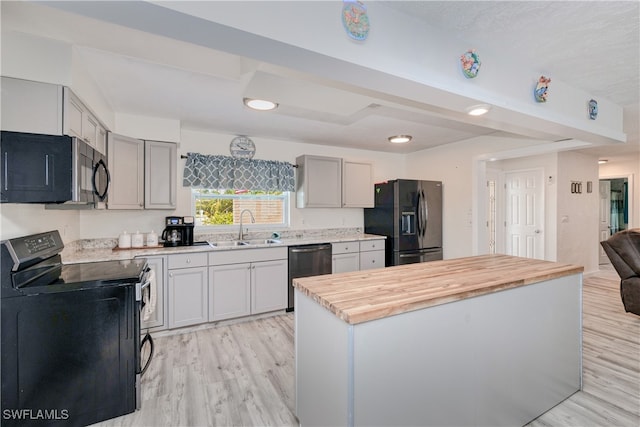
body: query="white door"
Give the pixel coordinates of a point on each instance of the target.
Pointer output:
(524, 220)
(605, 217)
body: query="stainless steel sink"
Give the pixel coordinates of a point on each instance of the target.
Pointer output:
(228, 243)
(263, 242)
(233, 243)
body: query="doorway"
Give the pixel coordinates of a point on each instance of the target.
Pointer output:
(614, 209)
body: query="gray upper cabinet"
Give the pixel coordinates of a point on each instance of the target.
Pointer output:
(357, 185)
(32, 107)
(49, 109)
(80, 122)
(319, 182)
(126, 163)
(160, 169)
(330, 182)
(143, 173)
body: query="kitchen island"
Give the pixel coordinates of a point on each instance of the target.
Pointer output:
(487, 340)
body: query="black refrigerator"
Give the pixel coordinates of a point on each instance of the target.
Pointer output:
(409, 213)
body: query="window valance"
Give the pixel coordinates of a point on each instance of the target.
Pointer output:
(213, 171)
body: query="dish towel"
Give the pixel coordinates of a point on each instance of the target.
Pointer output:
(150, 297)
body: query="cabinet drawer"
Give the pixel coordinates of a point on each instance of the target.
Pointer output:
(345, 247)
(371, 259)
(371, 245)
(197, 259)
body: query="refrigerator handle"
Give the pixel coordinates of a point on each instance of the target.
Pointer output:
(422, 213)
(425, 218)
(419, 214)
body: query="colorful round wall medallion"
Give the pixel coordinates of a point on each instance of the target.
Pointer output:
(542, 89)
(355, 19)
(470, 63)
(593, 109)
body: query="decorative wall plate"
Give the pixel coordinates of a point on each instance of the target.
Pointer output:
(470, 63)
(542, 88)
(355, 19)
(242, 147)
(593, 109)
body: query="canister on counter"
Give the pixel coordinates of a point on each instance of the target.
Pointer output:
(152, 238)
(124, 241)
(137, 240)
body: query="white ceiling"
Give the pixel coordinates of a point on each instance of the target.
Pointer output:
(593, 45)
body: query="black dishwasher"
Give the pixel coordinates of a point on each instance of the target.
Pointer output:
(305, 261)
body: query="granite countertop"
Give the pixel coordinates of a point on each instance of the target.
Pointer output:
(362, 296)
(78, 255)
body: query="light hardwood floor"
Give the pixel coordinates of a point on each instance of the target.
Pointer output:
(242, 374)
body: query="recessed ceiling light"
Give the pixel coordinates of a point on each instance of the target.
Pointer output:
(260, 104)
(603, 161)
(478, 110)
(400, 139)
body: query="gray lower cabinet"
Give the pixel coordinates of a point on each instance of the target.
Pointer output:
(156, 319)
(187, 289)
(372, 254)
(345, 257)
(269, 286)
(229, 291)
(247, 281)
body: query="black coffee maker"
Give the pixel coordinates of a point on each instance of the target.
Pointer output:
(178, 231)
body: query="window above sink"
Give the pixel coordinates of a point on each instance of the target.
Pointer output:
(220, 209)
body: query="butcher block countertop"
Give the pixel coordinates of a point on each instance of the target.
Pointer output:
(362, 296)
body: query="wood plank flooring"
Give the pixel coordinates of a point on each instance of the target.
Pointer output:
(242, 374)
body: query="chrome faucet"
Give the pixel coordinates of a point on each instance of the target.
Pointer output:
(253, 220)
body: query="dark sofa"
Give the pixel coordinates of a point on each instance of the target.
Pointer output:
(623, 249)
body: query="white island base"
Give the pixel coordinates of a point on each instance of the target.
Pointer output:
(500, 359)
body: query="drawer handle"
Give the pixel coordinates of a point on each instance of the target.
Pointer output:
(188, 260)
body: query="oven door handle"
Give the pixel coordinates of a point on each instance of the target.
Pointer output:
(147, 338)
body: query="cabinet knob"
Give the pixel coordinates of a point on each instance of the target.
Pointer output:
(170, 274)
(188, 260)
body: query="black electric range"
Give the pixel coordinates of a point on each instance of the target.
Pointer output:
(70, 335)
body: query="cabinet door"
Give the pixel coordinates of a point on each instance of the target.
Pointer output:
(126, 164)
(31, 107)
(357, 185)
(188, 296)
(269, 281)
(156, 319)
(319, 181)
(101, 140)
(35, 169)
(89, 128)
(344, 263)
(73, 112)
(371, 259)
(160, 165)
(229, 291)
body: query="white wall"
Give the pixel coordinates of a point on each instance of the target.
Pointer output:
(22, 219)
(578, 214)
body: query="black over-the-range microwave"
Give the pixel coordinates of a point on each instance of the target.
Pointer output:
(55, 169)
